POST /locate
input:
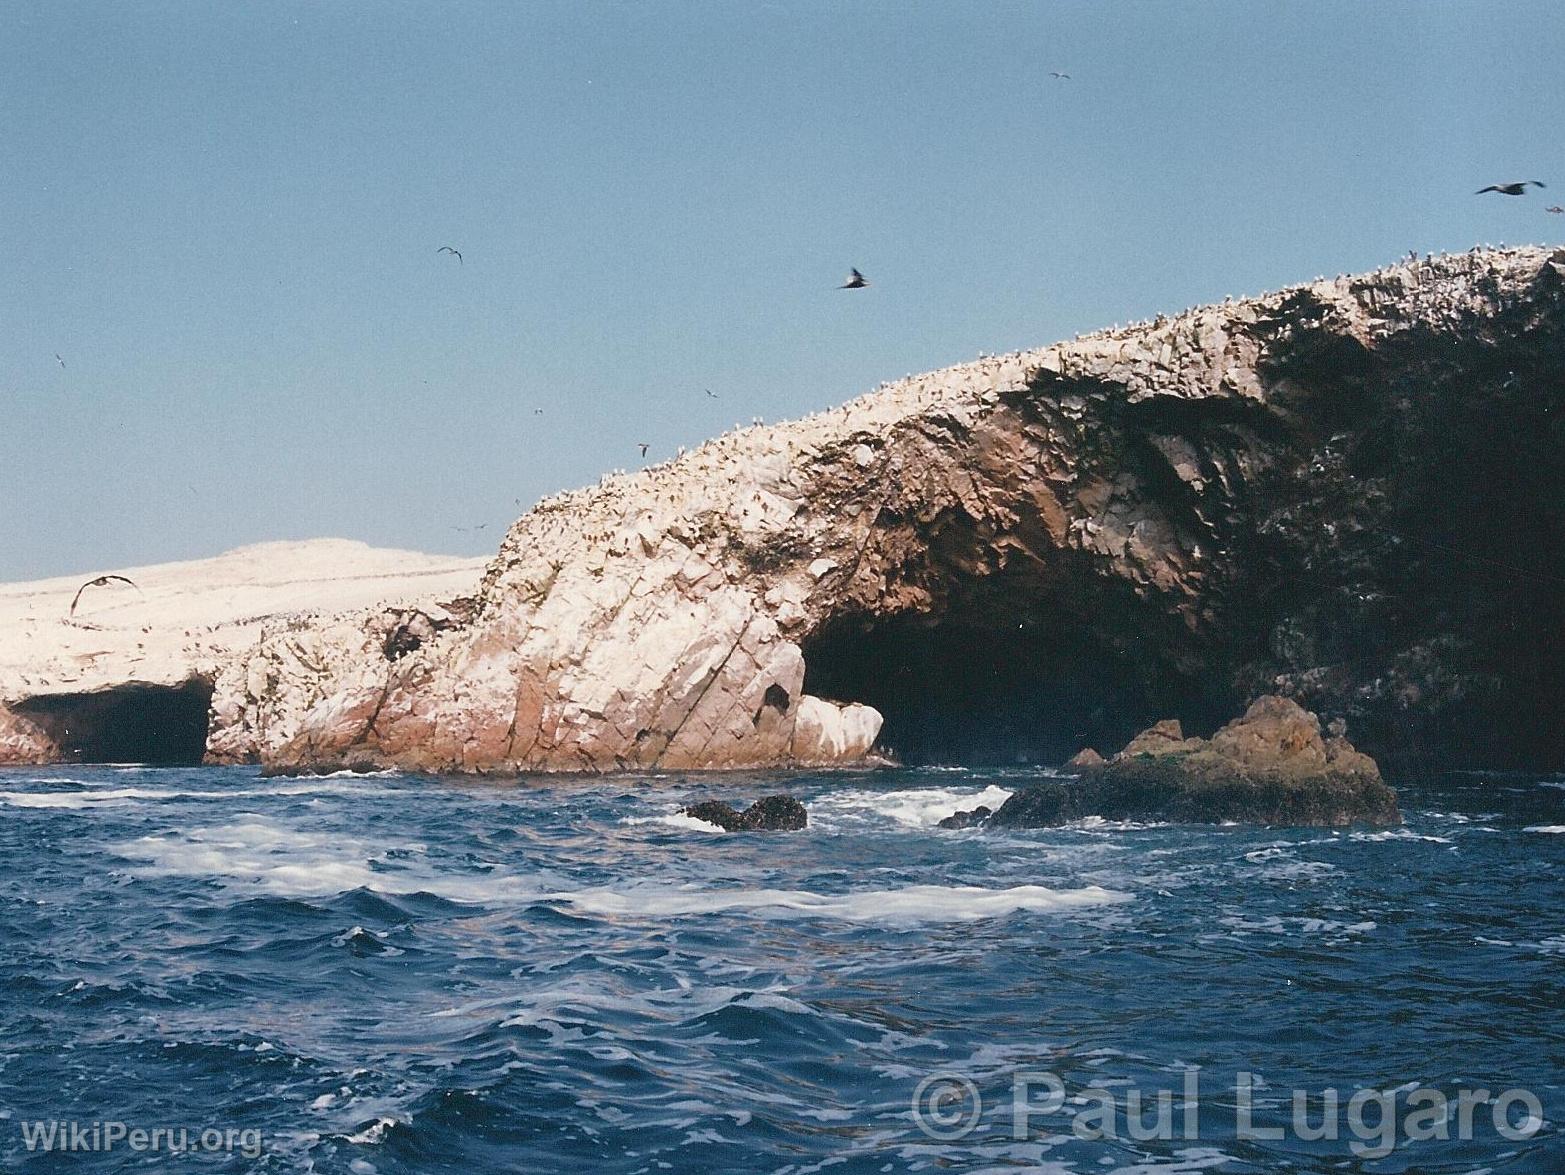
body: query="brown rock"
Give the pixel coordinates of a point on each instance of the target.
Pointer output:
(1086, 757)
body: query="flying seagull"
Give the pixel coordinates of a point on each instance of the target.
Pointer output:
(856, 281)
(710, 392)
(58, 359)
(644, 448)
(1517, 189)
(1554, 208)
(453, 252)
(101, 581)
(1064, 77)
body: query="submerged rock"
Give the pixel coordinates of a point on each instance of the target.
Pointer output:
(1270, 766)
(780, 813)
(968, 818)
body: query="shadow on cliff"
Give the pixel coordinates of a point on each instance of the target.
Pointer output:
(137, 722)
(1008, 676)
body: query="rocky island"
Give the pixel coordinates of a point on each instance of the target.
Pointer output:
(1349, 493)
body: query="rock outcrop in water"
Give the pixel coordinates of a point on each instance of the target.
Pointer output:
(1273, 765)
(1350, 492)
(780, 813)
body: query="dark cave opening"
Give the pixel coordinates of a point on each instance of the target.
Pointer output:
(136, 722)
(979, 691)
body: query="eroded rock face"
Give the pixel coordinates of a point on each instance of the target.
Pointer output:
(1351, 492)
(1271, 766)
(23, 742)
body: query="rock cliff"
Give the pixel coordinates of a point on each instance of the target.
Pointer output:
(128, 673)
(1349, 492)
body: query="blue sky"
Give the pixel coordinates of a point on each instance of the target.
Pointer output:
(225, 217)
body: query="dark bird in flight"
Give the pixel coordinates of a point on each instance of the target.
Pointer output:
(537, 411)
(644, 448)
(453, 252)
(1517, 189)
(1554, 208)
(710, 392)
(1064, 77)
(101, 581)
(58, 359)
(856, 281)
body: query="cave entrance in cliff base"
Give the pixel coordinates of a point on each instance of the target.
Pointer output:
(986, 691)
(136, 722)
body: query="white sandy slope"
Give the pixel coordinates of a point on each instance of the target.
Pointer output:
(186, 617)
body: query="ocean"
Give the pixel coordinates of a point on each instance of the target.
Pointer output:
(393, 974)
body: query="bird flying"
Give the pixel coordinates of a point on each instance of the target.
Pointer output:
(644, 448)
(1516, 189)
(856, 281)
(710, 392)
(1554, 208)
(101, 581)
(453, 252)
(58, 359)
(1064, 77)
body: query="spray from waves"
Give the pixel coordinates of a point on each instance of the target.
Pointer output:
(278, 859)
(1554, 828)
(923, 807)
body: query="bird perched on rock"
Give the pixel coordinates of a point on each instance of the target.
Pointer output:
(856, 281)
(453, 252)
(1516, 189)
(101, 581)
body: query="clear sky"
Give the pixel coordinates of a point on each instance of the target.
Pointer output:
(224, 218)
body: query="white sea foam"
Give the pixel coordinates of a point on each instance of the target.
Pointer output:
(1554, 828)
(282, 859)
(1274, 924)
(922, 807)
(1397, 834)
(914, 903)
(675, 820)
(97, 796)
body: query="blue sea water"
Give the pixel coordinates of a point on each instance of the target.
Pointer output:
(391, 974)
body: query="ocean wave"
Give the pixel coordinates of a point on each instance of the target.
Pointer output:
(914, 903)
(675, 820)
(923, 807)
(1554, 828)
(1386, 834)
(93, 796)
(283, 859)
